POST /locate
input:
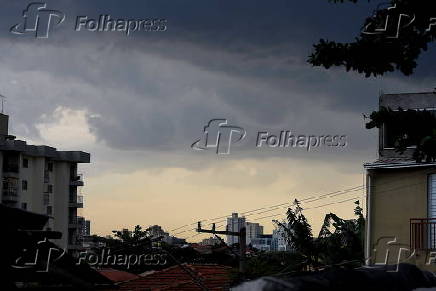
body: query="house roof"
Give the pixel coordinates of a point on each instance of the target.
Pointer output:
(117, 275)
(396, 163)
(16, 218)
(214, 277)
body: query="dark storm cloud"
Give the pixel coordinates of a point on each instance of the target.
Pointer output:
(245, 61)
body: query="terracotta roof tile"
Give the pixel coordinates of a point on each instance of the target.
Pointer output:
(214, 277)
(117, 275)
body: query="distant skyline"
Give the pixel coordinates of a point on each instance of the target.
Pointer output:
(138, 102)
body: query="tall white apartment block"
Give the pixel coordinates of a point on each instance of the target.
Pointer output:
(235, 224)
(254, 230)
(43, 180)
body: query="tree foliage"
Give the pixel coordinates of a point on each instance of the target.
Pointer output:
(408, 127)
(339, 240)
(391, 39)
(132, 238)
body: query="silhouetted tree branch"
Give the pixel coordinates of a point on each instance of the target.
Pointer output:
(391, 39)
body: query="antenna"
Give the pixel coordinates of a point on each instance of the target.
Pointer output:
(3, 101)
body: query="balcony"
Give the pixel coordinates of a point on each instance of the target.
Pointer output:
(77, 181)
(76, 202)
(10, 195)
(46, 176)
(73, 222)
(46, 199)
(11, 170)
(423, 233)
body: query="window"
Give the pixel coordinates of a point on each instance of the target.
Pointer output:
(24, 206)
(50, 167)
(25, 163)
(24, 185)
(49, 210)
(391, 131)
(50, 188)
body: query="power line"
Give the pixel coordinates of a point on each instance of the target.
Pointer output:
(331, 194)
(319, 197)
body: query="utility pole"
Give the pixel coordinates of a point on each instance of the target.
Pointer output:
(242, 241)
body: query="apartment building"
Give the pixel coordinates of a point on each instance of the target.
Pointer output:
(401, 195)
(42, 180)
(279, 242)
(235, 224)
(253, 231)
(263, 243)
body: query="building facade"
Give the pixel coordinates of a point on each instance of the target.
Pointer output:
(279, 242)
(253, 230)
(263, 243)
(234, 223)
(401, 196)
(43, 180)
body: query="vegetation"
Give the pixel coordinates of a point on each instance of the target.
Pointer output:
(410, 27)
(408, 127)
(339, 241)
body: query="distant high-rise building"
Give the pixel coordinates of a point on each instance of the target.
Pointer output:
(235, 224)
(263, 243)
(83, 228)
(279, 242)
(43, 180)
(254, 230)
(87, 227)
(156, 231)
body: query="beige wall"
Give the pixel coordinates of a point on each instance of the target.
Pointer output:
(34, 195)
(396, 195)
(60, 179)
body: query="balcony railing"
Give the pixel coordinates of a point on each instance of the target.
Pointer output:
(11, 168)
(46, 176)
(77, 180)
(76, 201)
(46, 199)
(423, 233)
(10, 194)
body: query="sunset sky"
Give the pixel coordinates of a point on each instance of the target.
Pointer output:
(138, 102)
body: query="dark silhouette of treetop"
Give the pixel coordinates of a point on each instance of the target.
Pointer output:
(391, 39)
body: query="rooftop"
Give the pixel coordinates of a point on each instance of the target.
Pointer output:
(213, 277)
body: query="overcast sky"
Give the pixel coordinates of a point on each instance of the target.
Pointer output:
(138, 102)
